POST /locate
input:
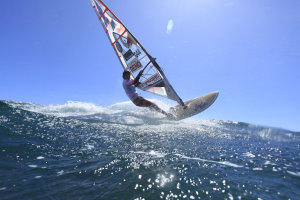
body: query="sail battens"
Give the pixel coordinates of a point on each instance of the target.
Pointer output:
(119, 37)
(103, 14)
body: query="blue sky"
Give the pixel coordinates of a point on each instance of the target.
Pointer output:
(249, 51)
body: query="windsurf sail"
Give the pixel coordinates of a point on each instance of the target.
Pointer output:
(133, 56)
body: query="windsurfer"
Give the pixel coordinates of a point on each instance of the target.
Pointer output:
(130, 85)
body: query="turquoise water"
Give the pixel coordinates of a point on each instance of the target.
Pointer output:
(83, 151)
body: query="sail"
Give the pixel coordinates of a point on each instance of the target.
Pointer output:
(132, 55)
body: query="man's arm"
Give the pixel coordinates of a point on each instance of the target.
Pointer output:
(136, 80)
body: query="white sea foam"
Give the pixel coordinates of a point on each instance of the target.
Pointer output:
(211, 161)
(157, 154)
(122, 113)
(60, 172)
(257, 169)
(230, 164)
(89, 147)
(75, 108)
(129, 114)
(71, 108)
(39, 157)
(269, 163)
(230, 196)
(294, 173)
(276, 134)
(152, 153)
(32, 166)
(249, 154)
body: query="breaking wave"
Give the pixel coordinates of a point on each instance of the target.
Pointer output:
(128, 114)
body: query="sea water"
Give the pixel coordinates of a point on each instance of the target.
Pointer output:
(83, 151)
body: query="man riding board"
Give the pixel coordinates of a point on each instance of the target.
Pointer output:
(130, 85)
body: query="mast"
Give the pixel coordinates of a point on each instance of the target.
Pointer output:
(178, 99)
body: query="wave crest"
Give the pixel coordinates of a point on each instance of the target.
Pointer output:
(126, 113)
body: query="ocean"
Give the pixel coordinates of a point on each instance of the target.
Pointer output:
(80, 151)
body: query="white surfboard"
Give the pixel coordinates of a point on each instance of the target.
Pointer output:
(194, 106)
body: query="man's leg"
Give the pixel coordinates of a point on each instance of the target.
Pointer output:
(145, 103)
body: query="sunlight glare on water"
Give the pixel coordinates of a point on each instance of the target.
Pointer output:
(86, 155)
